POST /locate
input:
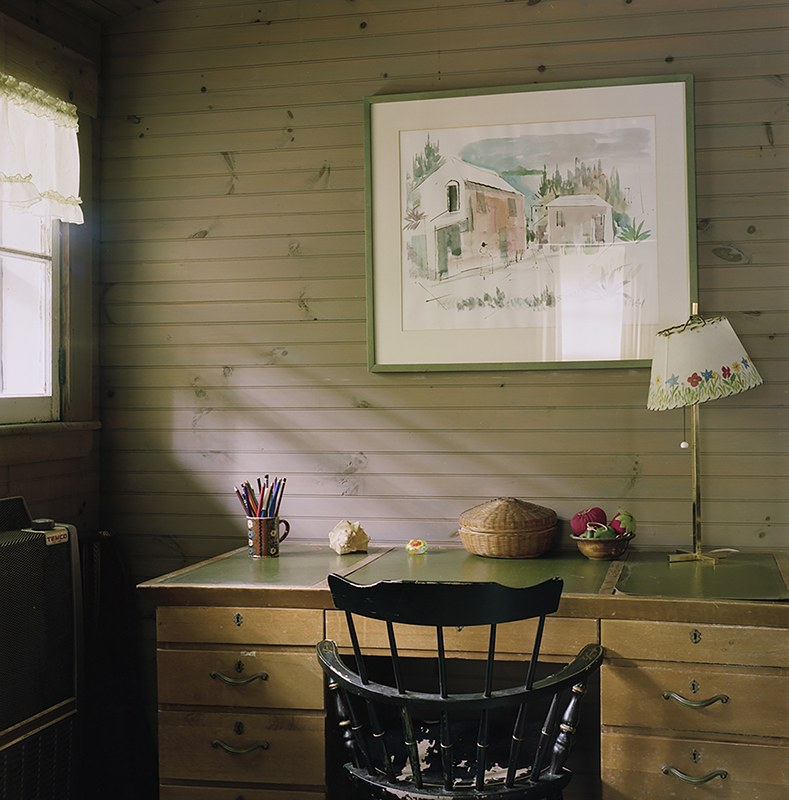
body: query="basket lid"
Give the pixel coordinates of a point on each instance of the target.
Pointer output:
(507, 515)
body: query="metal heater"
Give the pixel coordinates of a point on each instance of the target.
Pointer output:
(40, 647)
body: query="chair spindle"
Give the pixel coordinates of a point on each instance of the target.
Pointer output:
(567, 729)
(377, 729)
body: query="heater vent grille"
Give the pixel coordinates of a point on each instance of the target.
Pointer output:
(40, 767)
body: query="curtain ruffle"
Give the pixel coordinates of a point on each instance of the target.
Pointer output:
(39, 155)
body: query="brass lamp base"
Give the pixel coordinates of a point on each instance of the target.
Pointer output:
(709, 559)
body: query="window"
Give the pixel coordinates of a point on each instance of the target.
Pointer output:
(28, 318)
(39, 180)
(453, 196)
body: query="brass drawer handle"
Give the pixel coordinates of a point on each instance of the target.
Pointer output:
(718, 773)
(239, 751)
(723, 698)
(239, 681)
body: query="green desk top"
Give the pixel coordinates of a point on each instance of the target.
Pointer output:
(580, 575)
(740, 576)
(297, 565)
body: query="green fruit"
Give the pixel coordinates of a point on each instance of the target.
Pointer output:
(605, 532)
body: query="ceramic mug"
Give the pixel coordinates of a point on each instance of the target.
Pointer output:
(264, 536)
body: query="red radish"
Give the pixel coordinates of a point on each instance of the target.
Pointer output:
(579, 522)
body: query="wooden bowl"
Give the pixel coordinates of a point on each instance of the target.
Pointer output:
(603, 549)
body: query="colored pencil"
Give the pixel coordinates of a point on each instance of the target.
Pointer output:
(241, 498)
(279, 497)
(268, 499)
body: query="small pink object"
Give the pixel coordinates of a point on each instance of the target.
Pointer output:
(416, 546)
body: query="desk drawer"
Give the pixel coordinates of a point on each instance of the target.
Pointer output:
(563, 636)
(757, 701)
(244, 626)
(706, 644)
(252, 678)
(633, 769)
(189, 748)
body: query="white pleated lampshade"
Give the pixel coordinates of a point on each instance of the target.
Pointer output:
(698, 361)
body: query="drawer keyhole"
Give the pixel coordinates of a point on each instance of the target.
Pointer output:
(238, 619)
(238, 728)
(695, 636)
(239, 666)
(695, 756)
(694, 686)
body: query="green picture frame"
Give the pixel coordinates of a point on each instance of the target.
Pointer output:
(543, 226)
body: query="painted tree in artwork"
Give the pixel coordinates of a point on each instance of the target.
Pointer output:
(426, 162)
(423, 164)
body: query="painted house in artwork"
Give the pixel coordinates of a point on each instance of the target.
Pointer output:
(580, 219)
(470, 219)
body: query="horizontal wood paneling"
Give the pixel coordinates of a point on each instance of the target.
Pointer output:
(57, 474)
(60, 22)
(37, 60)
(233, 305)
(333, 48)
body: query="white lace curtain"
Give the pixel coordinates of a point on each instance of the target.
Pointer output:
(39, 157)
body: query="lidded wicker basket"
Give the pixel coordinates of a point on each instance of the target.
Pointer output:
(507, 528)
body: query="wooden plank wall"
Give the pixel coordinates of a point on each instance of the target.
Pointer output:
(233, 272)
(56, 472)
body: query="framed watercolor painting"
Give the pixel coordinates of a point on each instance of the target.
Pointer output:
(543, 226)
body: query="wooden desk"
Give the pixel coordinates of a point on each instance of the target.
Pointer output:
(226, 623)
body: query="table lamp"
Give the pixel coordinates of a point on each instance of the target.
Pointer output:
(692, 363)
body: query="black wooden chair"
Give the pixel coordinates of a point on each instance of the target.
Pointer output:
(498, 741)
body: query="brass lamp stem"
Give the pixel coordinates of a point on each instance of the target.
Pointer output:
(695, 473)
(695, 455)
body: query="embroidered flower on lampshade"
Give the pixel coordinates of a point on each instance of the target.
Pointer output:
(698, 361)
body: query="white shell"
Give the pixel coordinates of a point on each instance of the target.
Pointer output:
(348, 537)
